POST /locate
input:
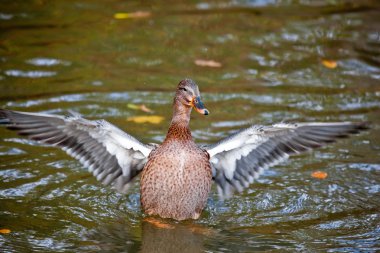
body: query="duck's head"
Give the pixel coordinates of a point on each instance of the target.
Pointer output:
(188, 94)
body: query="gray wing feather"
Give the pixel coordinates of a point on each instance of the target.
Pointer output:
(240, 158)
(113, 156)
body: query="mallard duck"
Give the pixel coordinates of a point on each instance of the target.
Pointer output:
(176, 175)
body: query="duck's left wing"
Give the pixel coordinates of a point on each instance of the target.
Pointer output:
(113, 156)
(240, 158)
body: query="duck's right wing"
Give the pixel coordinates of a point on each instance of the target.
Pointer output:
(240, 158)
(113, 156)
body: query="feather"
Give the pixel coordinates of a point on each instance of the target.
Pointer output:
(240, 158)
(104, 149)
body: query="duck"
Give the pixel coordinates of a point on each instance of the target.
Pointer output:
(176, 175)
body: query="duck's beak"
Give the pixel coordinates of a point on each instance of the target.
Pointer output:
(199, 106)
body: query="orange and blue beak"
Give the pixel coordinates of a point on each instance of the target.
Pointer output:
(199, 106)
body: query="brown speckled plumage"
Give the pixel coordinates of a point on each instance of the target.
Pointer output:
(176, 180)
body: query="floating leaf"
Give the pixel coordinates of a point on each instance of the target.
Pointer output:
(329, 64)
(158, 223)
(154, 119)
(4, 231)
(208, 63)
(319, 174)
(201, 230)
(139, 107)
(133, 106)
(137, 14)
(145, 109)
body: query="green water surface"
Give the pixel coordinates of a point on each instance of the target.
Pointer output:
(61, 55)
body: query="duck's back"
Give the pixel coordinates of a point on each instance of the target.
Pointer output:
(176, 181)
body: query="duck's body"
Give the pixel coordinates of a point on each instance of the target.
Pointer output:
(176, 175)
(173, 185)
(176, 180)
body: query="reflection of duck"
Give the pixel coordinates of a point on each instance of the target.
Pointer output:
(151, 235)
(176, 175)
(175, 237)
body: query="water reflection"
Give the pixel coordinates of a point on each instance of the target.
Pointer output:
(152, 235)
(173, 238)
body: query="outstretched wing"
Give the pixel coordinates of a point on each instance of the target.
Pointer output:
(112, 155)
(240, 158)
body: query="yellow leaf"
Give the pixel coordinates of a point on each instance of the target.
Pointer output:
(319, 174)
(137, 14)
(145, 109)
(139, 107)
(208, 63)
(4, 231)
(154, 119)
(133, 106)
(329, 64)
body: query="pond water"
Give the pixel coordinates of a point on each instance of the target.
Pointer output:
(278, 60)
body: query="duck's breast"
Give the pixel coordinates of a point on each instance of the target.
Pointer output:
(176, 181)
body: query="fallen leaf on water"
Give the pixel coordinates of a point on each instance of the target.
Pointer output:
(4, 231)
(145, 109)
(208, 63)
(137, 14)
(319, 174)
(158, 223)
(133, 106)
(139, 107)
(329, 64)
(201, 230)
(147, 119)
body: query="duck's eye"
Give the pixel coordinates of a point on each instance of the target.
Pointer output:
(184, 89)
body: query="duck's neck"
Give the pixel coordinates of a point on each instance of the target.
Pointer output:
(179, 126)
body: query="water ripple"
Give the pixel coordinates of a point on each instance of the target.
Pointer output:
(30, 74)
(47, 62)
